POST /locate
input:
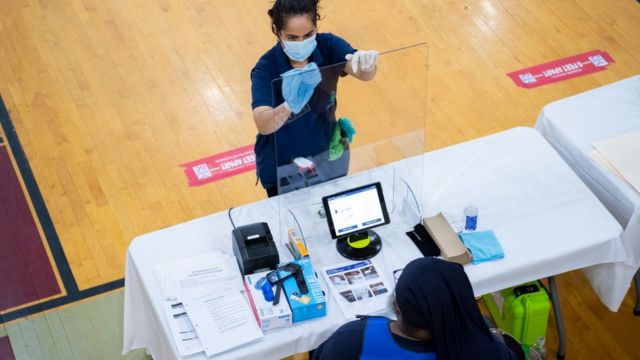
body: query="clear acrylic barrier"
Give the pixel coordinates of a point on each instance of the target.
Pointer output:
(315, 157)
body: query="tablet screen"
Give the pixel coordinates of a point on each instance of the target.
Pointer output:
(355, 210)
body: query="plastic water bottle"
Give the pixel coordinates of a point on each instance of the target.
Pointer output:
(470, 217)
(540, 347)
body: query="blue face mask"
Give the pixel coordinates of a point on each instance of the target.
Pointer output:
(300, 50)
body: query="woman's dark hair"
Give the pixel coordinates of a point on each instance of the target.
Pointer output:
(283, 10)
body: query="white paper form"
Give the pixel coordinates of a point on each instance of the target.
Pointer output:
(358, 287)
(194, 277)
(622, 153)
(182, 329)
(223, 320)
(198, 276)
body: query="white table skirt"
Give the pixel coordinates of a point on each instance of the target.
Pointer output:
(571, 125)
(546, 219)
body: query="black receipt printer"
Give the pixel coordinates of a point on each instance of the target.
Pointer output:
(254, 248)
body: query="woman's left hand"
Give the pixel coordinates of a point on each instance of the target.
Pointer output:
(363, 60)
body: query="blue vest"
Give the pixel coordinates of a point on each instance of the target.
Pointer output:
(378, 343)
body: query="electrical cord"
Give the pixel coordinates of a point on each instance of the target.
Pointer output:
(299, 227)
(230, 219)
(412, 194)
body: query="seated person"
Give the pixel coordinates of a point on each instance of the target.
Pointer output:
(438, 318)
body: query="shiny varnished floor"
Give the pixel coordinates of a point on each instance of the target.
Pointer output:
(108, 98)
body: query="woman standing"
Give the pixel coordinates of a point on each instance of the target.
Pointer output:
(292, 98)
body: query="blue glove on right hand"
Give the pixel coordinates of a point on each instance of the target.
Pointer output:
(298, 86)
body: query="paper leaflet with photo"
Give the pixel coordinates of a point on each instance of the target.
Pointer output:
(359, 288)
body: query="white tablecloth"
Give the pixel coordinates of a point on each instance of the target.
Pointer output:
(546, 219)
(571, 125)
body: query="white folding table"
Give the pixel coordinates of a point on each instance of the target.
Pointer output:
(547, 221)
(571, 125)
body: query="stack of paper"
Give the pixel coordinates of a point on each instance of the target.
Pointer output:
(621, 155)
(222, 321)
(187, 340)
(197, 276)
(204, 304)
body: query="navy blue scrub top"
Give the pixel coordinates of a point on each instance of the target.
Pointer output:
(310, 132)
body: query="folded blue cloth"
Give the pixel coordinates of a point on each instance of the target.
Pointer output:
(483, 245)
(348, 128)
(298, 85)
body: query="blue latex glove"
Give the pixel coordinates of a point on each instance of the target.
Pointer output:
(298, 85)
(483, 245)
(348, 128)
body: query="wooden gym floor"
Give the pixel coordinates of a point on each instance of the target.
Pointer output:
(108, 97)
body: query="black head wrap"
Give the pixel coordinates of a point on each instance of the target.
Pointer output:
(436, 295)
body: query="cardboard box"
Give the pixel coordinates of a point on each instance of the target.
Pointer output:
(451, 247)
(267, 315)
(310, 305)
(297, 244)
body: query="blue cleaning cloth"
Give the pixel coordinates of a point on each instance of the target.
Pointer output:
(298, 85)
(348, 128)
(483, 245)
